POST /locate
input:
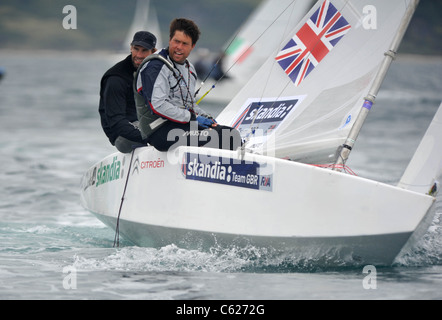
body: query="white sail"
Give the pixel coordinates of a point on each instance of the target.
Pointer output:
(250, 47)
(145, 19)
(306, 110)
(426, 166)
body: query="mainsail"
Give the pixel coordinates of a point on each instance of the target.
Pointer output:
(303, 102)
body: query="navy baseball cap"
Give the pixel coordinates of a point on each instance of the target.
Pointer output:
(145, 39)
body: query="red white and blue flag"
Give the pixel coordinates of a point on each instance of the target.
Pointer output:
(316, 38)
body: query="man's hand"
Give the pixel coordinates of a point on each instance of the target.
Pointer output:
(205, 122)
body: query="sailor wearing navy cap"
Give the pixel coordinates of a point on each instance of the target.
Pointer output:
(117, 106)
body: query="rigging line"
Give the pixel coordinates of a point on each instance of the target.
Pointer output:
(280, 45)
(288, 82)
(247, 140)
(269, 75)
(228, 70)
(216, 63)
(332, 166)
(117, 227)
(259, 37)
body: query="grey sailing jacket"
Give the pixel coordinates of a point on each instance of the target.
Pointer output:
(168, 89)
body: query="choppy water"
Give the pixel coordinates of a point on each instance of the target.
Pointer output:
(50, 134)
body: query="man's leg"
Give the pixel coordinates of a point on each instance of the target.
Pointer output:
(126, 146)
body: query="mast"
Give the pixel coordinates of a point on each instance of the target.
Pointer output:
(390, 55)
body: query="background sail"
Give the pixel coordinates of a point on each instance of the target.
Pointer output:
(247, 50)
(145, 19)
(323, 106)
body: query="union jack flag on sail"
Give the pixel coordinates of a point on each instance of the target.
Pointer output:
(316, 38)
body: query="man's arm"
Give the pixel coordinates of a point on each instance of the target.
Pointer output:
(115, 109)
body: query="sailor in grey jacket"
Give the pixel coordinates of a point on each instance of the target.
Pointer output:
(165, 98)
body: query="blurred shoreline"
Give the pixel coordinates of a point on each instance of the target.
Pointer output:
(110, 53)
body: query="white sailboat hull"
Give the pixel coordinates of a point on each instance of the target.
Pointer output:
(176, 198)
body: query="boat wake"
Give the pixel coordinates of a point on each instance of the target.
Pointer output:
(227, 260)
(427, 251)
(251, 259)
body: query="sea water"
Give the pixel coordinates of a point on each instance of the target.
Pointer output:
(52, 248)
